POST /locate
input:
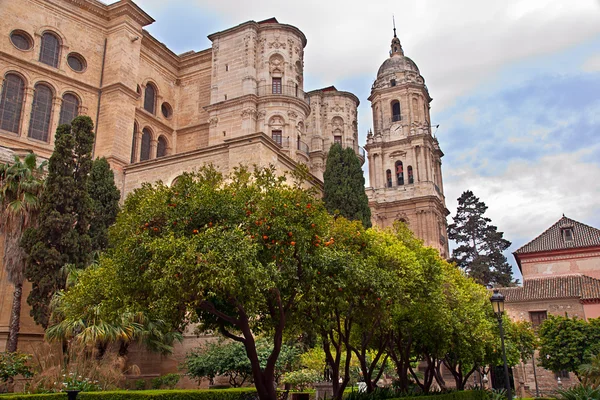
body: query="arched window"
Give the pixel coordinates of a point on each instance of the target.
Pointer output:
(150, 98)
(69, 108)
(161, 148)
(145, 152)
(411, 179)
(396, 116)
(134, 142)
(388, 177)
(399, 173)
(50, 49)
(41, 112)
(11, 103)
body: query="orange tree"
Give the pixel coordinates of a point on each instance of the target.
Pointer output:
(236, 254)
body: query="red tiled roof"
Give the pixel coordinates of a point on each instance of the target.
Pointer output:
(552, 238)
(582, 287)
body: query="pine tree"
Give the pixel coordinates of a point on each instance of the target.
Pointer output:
(344, 183)
(61, 236)
(480, 245)
(105, 202)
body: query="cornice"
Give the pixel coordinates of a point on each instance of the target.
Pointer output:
(322, 93)
(130, 9)
(419, 87)
(259, 27)
(575, 252)
(120, 87)
(153, 119)
(95, 16)
(42, 69)
(231, 102)
(407, 140)
(149, 42)
(413, 200)
(259, 137)
(190, 59)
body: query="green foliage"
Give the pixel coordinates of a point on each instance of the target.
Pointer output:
(72, 381)
(228, 358)
(61, 236)
(238, 254)
(13, 364)
(566, 343)
(21, 184)
(386, 393)
(224, 394)
(140, 384)
(105, 202)
(589, 372)
(344, 186)
(302, 378)
(480, 245)
(168, 381)
(579, 392)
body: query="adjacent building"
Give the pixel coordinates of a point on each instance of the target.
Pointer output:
(561, 276)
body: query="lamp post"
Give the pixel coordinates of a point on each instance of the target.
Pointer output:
(497, 300)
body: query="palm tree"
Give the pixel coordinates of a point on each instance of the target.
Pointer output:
(21, 184)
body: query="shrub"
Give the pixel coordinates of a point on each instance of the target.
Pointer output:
(579, 392)
(168, 381)
(140, 384)
(302, 378)
(225, 394)
(13, 364)
(386, 393)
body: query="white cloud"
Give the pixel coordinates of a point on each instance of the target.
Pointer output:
(592, 64)
(457, 44)
(528, 196)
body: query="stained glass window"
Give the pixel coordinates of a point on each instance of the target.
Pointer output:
(145, 153)
(11, 103)
(161, 149)
(50, 49)
(69, 109)
(41, 112)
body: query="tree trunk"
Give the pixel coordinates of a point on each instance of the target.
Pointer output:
(15, 319)
(439, 376)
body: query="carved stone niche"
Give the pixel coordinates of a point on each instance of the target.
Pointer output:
(276, 64)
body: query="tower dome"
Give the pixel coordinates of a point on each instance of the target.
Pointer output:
(397, 62)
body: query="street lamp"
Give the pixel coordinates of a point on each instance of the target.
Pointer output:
(497, 300)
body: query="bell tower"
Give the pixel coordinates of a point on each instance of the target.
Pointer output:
(405, 168)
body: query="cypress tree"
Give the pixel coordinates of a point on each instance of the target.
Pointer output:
(61, 236)
(344, 184)
(105, 202)
(480, 245)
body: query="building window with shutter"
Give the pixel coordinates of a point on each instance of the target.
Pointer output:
(537, 317)
(276, 85)
(277, 137)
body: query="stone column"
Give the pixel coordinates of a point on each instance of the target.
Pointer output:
(26, 111)
(153, 147)
(56, 109)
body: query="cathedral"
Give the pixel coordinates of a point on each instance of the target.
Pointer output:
(158, 114)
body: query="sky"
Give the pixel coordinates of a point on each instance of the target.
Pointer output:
(515, 83)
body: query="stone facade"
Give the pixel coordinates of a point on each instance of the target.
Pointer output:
(405, 168)
(158, 114)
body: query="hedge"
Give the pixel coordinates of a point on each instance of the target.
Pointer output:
(208, 394)
(211, 394)
(462, 395)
